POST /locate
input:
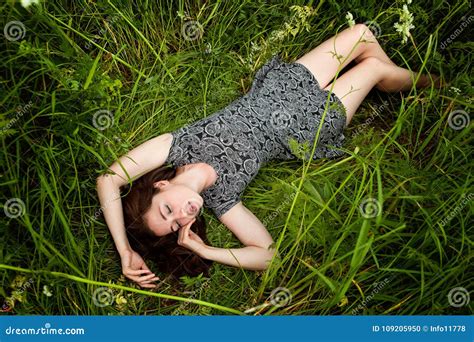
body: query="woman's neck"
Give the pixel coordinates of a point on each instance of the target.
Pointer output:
(197, 176)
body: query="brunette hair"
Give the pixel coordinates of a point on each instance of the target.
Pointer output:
(170, 257)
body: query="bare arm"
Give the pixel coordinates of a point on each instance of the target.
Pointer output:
(111, 206)
(137, 162)
(250, 257)
(256, 255)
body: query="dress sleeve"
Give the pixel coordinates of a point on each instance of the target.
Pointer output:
(219, 201)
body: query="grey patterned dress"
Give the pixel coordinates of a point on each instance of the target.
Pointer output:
(285, 101)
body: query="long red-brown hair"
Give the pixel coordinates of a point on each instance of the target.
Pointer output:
(170, 257)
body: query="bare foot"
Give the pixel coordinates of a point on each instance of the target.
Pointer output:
(425, 81)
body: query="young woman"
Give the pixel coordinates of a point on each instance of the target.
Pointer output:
(210, 162)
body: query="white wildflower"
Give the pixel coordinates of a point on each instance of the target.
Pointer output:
(455, 90)
(119, 299)
(350, 19)
(27, 3)
(46, 291)
(405, 23)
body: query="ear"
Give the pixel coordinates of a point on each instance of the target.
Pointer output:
(160, 184)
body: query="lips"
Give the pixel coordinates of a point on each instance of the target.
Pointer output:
(192, 208)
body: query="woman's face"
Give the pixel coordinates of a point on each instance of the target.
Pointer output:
(172, 208)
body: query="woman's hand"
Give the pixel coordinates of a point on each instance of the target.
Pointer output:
(189, 239)
(134, 268)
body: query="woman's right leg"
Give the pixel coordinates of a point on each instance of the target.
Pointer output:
(356, 43)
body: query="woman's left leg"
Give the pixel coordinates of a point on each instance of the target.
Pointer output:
(354, 85)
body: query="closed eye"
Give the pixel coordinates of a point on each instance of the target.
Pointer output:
(177, 223)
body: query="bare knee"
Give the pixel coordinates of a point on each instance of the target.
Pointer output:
(376, 68)
(364, 32)
(373, 62)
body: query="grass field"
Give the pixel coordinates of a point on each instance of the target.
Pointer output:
(386, 230)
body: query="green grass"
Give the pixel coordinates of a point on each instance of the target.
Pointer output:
(77, 59)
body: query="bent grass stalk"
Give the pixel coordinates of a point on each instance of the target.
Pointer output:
(120, 287)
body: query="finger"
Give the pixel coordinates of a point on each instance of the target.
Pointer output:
(150, 281)
(181, 234)
(135, 278)
(143, 279)
(150, 286)
(147, 277)
(187, 227)
(137, 272)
